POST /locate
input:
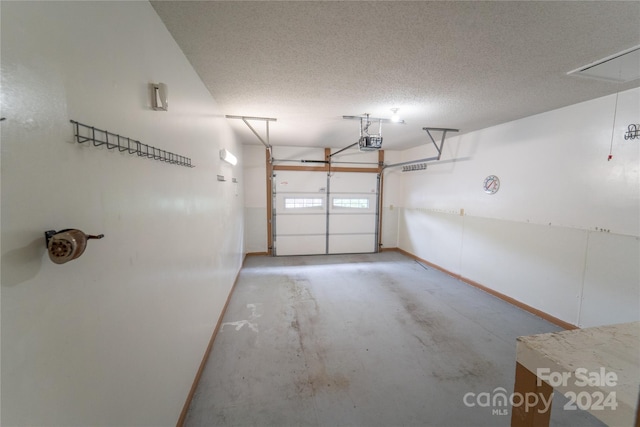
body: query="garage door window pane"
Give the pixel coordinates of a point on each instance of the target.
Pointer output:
(351, 203)
(301, 203)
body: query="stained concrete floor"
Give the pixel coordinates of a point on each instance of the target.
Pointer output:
(362, 340)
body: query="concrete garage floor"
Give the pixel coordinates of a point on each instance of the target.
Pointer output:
(362, 340)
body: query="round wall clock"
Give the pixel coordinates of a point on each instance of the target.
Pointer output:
(491, 184)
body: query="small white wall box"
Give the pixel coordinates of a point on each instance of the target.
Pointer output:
(160, 97)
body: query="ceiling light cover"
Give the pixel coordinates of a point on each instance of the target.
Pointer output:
(228, 157)
(395, 118)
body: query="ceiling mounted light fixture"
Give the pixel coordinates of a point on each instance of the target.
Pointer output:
(395, 118)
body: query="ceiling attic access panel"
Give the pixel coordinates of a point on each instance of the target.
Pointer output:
(621, 67)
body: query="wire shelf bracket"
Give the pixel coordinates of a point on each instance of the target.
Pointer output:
(85, 133)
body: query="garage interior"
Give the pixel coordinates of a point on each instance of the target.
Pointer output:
(317, 213)
(362, 340)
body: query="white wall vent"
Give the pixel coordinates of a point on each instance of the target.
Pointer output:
(621, 68)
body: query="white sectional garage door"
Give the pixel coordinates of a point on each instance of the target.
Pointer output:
(316, 215)
(353, 201)
(300, 212)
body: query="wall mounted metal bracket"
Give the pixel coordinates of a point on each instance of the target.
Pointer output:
(438, 147)
(444, 135)
(246, 119)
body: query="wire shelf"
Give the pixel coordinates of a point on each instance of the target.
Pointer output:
(85, 133)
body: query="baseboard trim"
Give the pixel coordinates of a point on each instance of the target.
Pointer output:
(256, 254)
(495, 293)
(207, 352)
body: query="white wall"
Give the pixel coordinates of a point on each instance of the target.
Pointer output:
(391, 200)
(116, 336)
(255, 200)
(562, 234)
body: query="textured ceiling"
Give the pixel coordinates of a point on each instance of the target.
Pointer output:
(465, 65)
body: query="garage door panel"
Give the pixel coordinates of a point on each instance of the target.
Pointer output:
(300, 182)
(301, 225)
(345, 224)
(354, 182)
(351, 244)
(296, 245)
(352, 212)
(300, 206)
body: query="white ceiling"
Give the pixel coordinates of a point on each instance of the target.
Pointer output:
(464, 65)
